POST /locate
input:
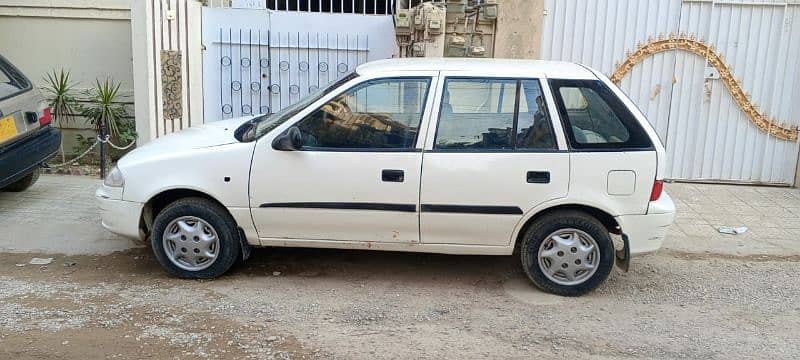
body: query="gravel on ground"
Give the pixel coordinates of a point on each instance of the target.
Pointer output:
(309, 303)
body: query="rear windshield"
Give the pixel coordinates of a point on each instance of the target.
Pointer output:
(594, 118)
(12, 81)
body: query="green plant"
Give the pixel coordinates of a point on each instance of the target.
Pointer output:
(127, 131)
(104, 110)
(126, 135)
(108, 116)
(59, 90)
(81, 144)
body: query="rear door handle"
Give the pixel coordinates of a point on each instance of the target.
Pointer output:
(538, 177)
(392, 175)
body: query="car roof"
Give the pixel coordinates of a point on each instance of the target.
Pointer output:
(495, 67)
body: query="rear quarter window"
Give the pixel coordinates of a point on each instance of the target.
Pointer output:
(12, 81)
(594, 118)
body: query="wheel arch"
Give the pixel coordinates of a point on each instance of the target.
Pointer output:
(601, 215)
(159, 201)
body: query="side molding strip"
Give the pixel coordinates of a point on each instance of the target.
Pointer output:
(437, 208)
(344, 206)
(472, 209)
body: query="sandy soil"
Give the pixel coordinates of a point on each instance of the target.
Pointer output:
(306, 303)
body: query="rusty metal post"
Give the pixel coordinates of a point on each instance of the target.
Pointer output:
(102, 150)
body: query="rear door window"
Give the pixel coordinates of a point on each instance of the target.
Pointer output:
(493, 114)
(534, 127)
(477, 114)
(594, 118)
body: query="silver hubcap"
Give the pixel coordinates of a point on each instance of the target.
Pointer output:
(191, 243)
(569, 256)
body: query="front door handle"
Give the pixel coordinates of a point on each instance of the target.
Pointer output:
(538, 177)
(391, 175)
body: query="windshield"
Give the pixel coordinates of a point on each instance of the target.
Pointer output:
(265, 124)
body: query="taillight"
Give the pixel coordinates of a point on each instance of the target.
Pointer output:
(658, 188)
(46, 117)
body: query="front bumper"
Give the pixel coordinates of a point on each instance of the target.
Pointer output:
(24, 155)
(646, 232)
(117, 215)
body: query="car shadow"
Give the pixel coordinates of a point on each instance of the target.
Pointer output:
(360, 265)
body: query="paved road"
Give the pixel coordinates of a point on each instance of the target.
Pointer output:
(57, 215)
(704, 296)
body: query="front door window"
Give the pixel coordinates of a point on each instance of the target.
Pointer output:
(379, 114)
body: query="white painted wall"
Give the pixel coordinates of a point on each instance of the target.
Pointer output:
(92, 39)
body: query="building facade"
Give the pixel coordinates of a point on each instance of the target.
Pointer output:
(717, 79)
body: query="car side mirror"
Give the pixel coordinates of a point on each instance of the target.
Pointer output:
(289, 140)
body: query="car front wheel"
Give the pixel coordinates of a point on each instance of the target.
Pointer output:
(567, 253)
(195, 238)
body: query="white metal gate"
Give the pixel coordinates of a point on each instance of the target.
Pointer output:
(258, 61)
(709, 133)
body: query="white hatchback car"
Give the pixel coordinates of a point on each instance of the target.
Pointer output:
(545, 160)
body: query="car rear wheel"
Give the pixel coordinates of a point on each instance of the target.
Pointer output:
(195, 238)
(24, 183)
(567, 253)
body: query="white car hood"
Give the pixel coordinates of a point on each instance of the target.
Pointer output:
(196, 137)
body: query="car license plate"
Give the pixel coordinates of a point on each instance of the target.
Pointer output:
(8, 128)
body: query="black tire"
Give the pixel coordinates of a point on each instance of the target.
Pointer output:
(24, 183)
(551, 223)
(216, 216)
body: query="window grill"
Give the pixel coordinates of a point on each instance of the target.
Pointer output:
(367, 7)
(261, 72)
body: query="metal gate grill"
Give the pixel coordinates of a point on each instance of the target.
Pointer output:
(366, 7)
(262, 71)
(708, 135)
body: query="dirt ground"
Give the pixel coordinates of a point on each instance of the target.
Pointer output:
(308, 303)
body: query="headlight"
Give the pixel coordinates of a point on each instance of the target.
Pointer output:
(114, 178)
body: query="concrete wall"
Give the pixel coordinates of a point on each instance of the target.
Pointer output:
(519, 29)
(91, 38)
(169, 94)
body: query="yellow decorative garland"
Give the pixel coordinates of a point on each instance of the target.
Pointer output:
(699, 47)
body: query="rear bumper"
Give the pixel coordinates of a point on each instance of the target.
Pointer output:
(646, 233)
(118, 216)
(19, 158)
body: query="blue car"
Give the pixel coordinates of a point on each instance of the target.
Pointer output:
(26, 137)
